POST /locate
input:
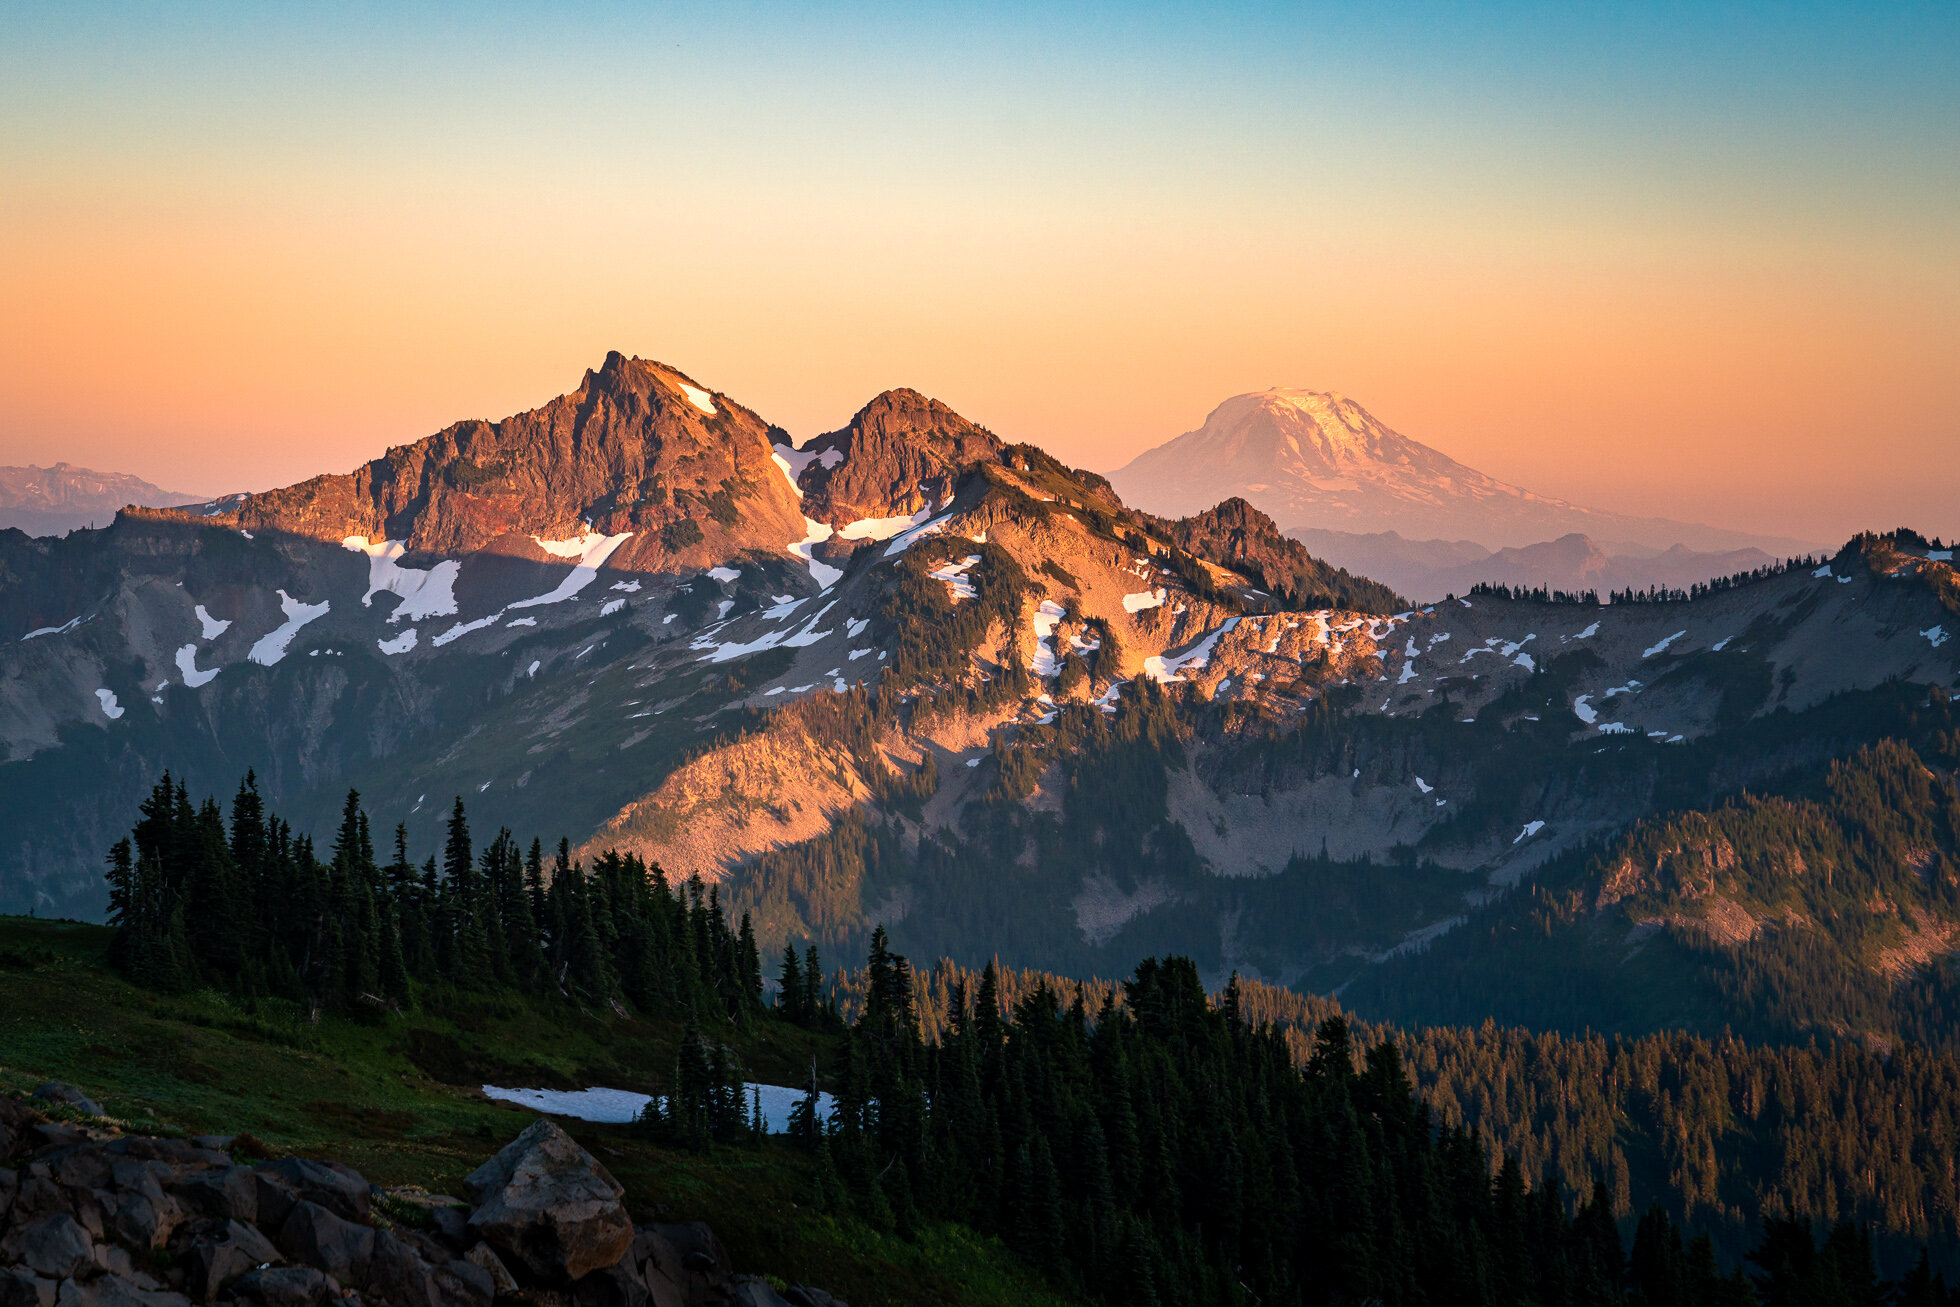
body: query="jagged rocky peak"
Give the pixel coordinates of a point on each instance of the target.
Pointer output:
(639, 449)
(897, 453)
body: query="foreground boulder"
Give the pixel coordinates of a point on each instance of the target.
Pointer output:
(90, 1217)
(549, 1206)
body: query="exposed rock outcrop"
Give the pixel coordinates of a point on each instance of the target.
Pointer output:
(91, 1217)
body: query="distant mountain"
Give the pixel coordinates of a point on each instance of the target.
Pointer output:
(1317, 460)
(52, 501)
(1429, 569)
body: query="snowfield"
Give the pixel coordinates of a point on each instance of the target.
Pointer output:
(430, 593)
(271, 646)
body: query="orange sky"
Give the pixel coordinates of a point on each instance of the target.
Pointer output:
(233, 284)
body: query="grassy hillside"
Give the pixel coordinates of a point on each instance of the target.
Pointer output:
(398, 1100)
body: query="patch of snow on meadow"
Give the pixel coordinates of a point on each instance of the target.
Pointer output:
(213, 627)
(401, 644)
(1661, 648)
(612, 606)
(1164, 670)
(1136, 603)
(110, 708)
(630, 587)
(424, 593)
(187, 664)
(271, 646)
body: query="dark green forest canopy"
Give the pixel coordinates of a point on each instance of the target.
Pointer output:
(1167, 1146)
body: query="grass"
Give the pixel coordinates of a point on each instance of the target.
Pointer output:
(399, 1101)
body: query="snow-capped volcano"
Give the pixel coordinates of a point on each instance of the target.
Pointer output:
(1316, 459)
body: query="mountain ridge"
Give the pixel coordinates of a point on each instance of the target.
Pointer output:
(61, 498)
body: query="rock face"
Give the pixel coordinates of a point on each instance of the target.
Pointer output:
(638, 447)
(92, 1218)
(897, 456)
(547, 1204)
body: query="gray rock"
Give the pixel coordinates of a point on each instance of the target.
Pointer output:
(20, 1287)
(9, 1186)
(276, 1199)
(116, 1291)
(550, 1207)
(54, 1091)
(283, 1286)
(501, 1280)
(335, 1187)
(15, 1121)
(233, 1249)
(314, 1236)
(462, 1284)
(754, 1291)
(55, 1246)
(453, 1227)
(138, 1213)
(228, 1193)
(802, 1295)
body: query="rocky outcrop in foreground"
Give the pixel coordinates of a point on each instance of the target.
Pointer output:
(93, 1217)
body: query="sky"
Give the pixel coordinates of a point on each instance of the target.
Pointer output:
(1700, 261)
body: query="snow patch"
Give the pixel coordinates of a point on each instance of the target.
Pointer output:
(623, 1106)
(213, 627)
(1822, 572)
(591, 549)
(1935, 635)
(424, 593)
(1653, 649)
(882, 528)
(725, 574)
(1588, 633)
(815, 533)
(610, 607)
(792, 461)
(954, 574)
(520, 621)
(271, 646)
(535, 664)
(1530, 828)
(462, 629)
(699, 398)
(63, 629)
(630, 587)
(1045, 618)
(187, 664)
(1424, 786)
(1136, 603)
(401, 644)
(1164, 669)
(916, 534)
(1584, 711)
(110, 708)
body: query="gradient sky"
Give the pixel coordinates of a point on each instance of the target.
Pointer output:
(1696, 260)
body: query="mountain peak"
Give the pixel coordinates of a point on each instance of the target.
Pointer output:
(1317, 460)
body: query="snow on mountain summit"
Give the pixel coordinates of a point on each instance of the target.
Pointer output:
(1315, 459)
